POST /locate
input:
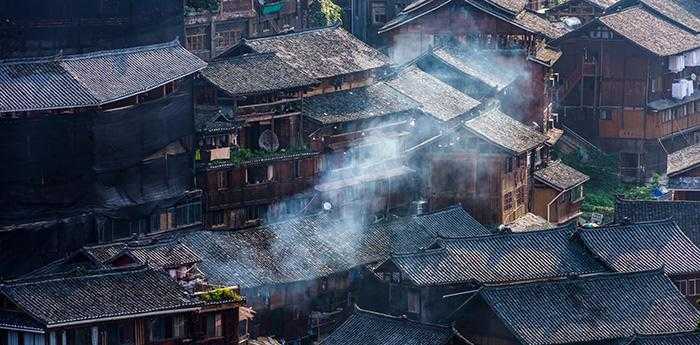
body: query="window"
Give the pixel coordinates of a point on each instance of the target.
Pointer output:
(196, 38)
(657, 84)
(188, 214)
(138, 226)
(682, 286)
(666, 115)
(217, 218)
(538, 156)
(213, 325)
(509, 164)
(79, 336)
(697, 107)
(508, 201)
(413, 300)
(605, 114)
(378, 13)
(257, 174)
(222, 179)
(693, 287)
(520, 195)
(119, 334)
(33, 339)
(179, 327)
(576, 194)
(296, 169)
(227, 38)
(155, 222)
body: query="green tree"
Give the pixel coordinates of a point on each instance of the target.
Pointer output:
(202, 5)
(324, 12)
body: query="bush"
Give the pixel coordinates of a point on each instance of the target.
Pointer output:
(220, 295)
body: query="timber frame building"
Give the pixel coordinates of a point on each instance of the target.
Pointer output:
(628, 82)
(136, 305)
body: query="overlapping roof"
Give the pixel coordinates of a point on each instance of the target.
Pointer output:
(504, 131)
(371, 328)
(683, 213)
(682, 160)
(560, 176)
(591, 308)
(91, 79)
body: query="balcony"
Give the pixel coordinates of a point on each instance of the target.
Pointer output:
(257, 193)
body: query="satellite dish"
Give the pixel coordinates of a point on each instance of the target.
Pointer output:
(693, 76)
(327, 206)
(268, 140)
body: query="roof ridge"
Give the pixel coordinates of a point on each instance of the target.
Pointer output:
(398, 318)
(641, 222)
(68, 275)
(575, 277)
(108, 52)
(515, 233)
(293, 33)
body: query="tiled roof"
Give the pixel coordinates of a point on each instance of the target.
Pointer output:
(514, 6)
(437, 99)
(162, 254)
(91, 79)
(684, 213)
(603, 4)
(546, 55)
(683, 12)
(535, 23)
(371, 328)
(322, 53)
(530, 222)
(560, 176)
(682, 160)
(255, 73)
(18, 320)
(644, 246)
(476, 66)
(499, 258)
(364, 176)
(96, 295)
(505, 131)
(305, 248)
(452, 222)
(650, 31)
(687, 338)
(414, 10)
(591, 308)
(367, 102)
(214, 119)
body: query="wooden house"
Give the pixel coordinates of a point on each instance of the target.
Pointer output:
(322, 54)
(558, 192)
(486, 167)
(683, 171)
(302, 270)
(372, 328)
(492, 25)
(683, 213)
(586, 310)
(134, 305)
(253, 157)
(99, 147)
(627, 87)
(580, 11)
(661, 244)
(419, 284)
(209, 33)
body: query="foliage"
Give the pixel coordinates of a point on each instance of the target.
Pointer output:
(324, 13)
(238, 156)
(605, 183)
(194, 6)
(221, 294)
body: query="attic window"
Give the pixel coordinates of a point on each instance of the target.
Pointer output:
(378, 13)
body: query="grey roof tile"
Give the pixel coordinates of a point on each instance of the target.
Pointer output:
(644, 246)
(683, 12)
(686, 338)
(682, 160)
(95, 295)
(560, 176)
(367, 102)
(650, 31)
(255, 73)
(499, 258)
(505, 131)
(18, 320)
(371, 328)
(683, 213)
(475, 65)
(591, 308)
(91, 79)
(437, 99)
(322, 53)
